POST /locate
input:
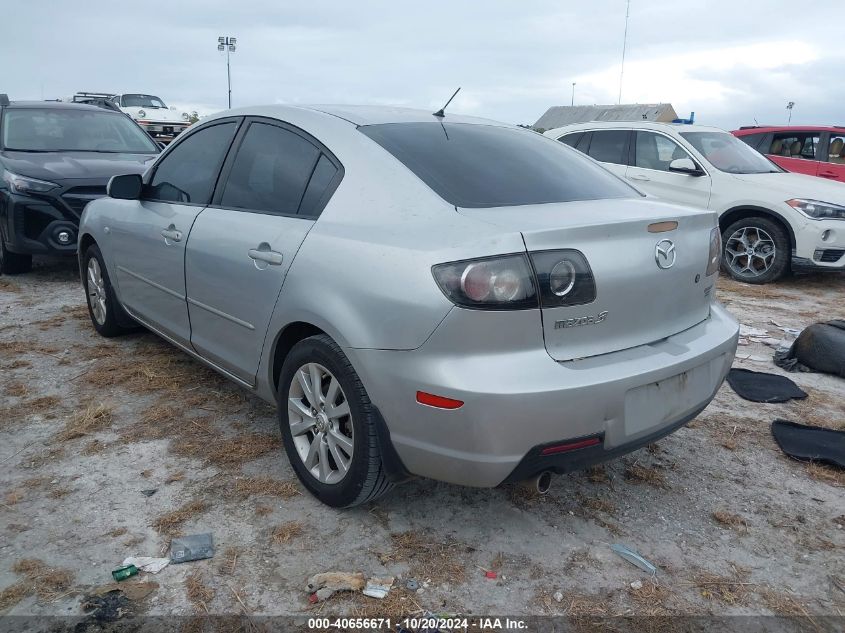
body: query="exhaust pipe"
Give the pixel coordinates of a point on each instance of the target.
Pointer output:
(539, 484)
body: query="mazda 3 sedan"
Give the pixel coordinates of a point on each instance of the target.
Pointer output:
(445, 297)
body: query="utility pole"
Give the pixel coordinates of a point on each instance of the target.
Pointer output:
(227, 44)
(573, 94)
(789, 107)
(624, 46)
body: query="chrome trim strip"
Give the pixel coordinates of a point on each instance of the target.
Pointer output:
(190, 352)
(172, 293)
(221, 314)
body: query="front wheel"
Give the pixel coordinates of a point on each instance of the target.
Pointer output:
(756, 250)
(328, 425)
(107, 315)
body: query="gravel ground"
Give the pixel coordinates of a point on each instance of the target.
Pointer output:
(87, 424)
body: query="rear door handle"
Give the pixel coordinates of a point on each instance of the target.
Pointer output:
(172, 234)
(270, 257)
(827, 174)
(639, 177)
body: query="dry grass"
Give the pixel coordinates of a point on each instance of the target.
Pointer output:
(782, 603)
(9, 286)
(48, 583)
(79, 312)
(93, 419)
(398, 603)
(18, 364)
(42, 457)
(59, 493)
(598, 475)
(263, 510)
(170, 522)
(651, 600)
(286, 532)
(198, 592)
(94, 447)
(50, 323)
(640, 474)
(173, 477)
(17, 390)
(17, 348)
(438, 560)
(597, 504)
(826, 474)
(13, 594)
(13, 497)
(117, 532)
(731, 520)
(229, 561)
(266, 486)
(732, 589)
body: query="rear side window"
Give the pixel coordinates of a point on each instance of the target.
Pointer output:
(271, 170)
(794, 145)
(571, 139)
(189, 171)
(610, 146)
(323, 176)
(476, 166)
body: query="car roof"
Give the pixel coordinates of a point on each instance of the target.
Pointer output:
(359, 115)
(764, 129)
(57, 105)
(633, 125)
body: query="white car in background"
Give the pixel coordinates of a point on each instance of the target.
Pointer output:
(151, 113)
(771, 220)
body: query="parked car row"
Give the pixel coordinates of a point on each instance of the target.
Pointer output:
(771, 221)
(150, 112)
(815, 151)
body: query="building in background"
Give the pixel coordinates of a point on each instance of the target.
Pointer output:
(558, 116)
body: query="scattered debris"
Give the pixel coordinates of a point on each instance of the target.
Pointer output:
(747, 330)
(324, 586)
(634, 558)
(810, 443)
(378, 587)
(491, 574)
(150, 492)
(762, 387)
(411, 584)
(820, 347)
(147, 563)
(132, 590)
(637, 585)
(558, 596)
(194, 547)
(122, 573)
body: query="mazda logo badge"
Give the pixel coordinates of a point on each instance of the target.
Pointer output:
(664, 254)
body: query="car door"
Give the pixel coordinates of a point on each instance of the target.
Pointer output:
(150, 235)
(610, 147)
(832, 165)
(271, 191)
(653, 153)
(796, 151)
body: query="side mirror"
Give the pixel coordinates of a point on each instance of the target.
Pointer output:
(126, 187)
(685, 166)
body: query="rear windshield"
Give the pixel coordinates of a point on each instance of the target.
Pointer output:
(71, 130)
(472, 165)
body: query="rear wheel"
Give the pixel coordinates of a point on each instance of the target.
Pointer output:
(328, 425)
(103, 308)
(13, 263)
(756, 250)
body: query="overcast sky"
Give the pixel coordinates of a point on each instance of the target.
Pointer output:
(730, 61)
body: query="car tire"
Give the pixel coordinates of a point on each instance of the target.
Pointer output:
(328, 439)
(107, 315)
(768, 243)
(13, 263)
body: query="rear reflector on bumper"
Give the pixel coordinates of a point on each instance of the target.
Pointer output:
(570, 446)
(439, 402)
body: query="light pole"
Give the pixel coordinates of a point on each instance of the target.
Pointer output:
(573, 94)
(789, 107)
(227, 44)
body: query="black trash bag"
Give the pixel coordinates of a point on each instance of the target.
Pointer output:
(820, 347)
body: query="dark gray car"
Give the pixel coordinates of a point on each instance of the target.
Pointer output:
(54, 159)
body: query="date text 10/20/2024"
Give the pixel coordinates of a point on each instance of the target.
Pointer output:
(422, 623)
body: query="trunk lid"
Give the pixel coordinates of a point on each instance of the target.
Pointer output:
(637, 302)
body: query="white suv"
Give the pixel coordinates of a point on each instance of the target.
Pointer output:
(770, 219)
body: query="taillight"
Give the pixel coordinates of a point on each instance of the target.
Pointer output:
(564, 278)
(715, 252)
(490, 283)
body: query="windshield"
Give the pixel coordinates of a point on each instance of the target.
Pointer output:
(141, 101)
(489, 166)
(60, 130)
(729, 154)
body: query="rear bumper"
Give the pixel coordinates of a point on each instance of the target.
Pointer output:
(517, 400)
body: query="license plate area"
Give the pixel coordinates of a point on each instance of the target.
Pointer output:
(656, 404)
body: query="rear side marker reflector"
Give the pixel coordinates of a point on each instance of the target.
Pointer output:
(429, 399)
(571, 446)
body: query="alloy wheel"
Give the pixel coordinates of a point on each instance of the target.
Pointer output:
(750, 251)
(96, 291)
(320, 423)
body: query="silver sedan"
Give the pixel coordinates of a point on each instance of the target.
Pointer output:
(422, 295)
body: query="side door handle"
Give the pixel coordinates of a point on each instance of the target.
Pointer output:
(827, 174)
(269, 257)
(639, 177)
(170, 234)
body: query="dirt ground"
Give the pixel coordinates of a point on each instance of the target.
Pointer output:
(87, 424)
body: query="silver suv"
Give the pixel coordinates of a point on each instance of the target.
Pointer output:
(446, 297)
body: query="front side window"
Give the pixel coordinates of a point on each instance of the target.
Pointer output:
(795, 145)
(71, 130)
(609, 146)
(836, 148)
(271, 171)
(189, 171)
(478, 166)
(727, 153)
(655, 151)
(754, 140)
(142, 101)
